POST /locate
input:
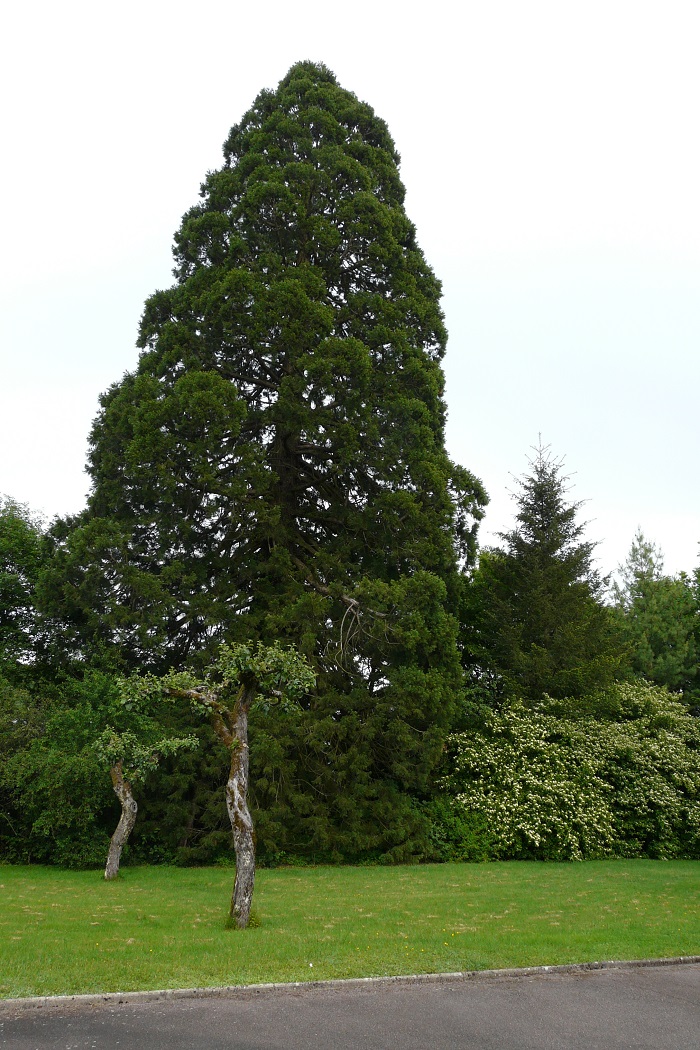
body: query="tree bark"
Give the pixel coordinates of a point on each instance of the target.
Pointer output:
(122, 789)
(238, 812)
(231, 726)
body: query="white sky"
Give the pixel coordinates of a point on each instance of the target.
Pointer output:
(551, 156)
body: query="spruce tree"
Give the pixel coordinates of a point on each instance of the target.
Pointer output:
(538, 623)
(274, 469)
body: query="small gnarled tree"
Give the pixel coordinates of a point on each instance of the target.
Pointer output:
(131, 756)
(243, 674)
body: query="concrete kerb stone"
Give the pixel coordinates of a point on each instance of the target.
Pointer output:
(295, 987)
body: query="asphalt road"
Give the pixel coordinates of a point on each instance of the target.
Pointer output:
(651, 1007)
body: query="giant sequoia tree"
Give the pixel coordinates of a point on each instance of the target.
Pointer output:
(275, 466)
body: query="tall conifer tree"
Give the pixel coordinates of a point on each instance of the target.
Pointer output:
(538, 623)
(275, 467)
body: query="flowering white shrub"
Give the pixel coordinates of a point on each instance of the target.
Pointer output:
(652, 764)
(558, 787)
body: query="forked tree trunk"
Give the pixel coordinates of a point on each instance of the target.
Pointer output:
(122, 789)
(238, 812)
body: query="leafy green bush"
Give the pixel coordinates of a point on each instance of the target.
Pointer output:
(57, 801)
(555, 784)
(57, 805)
(457, 834)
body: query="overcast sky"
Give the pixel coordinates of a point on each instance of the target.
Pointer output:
(551, 156)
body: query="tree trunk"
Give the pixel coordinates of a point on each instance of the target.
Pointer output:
(239, 814)
(232, 729)
(122, 789)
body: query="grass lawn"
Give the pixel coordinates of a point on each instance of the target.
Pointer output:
(69, 932)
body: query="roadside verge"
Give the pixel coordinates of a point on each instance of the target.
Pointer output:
(295, 987)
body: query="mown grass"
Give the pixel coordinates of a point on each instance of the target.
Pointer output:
(70, 932)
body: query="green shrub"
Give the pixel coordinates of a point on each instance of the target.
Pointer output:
(551, 787)
(457, 834)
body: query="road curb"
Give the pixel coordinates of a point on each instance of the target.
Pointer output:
(249, 990)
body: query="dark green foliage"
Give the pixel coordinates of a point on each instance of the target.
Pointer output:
(457, 834)
(182, 815)
(536, 623)
(20, 723)
(58, 798)
(275, 469)
(660, 621)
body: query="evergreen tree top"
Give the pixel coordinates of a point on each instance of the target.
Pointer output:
(542, 626)
(282, 436)
(310, 180)
(546, 521)
(311, 95)
(644, 565)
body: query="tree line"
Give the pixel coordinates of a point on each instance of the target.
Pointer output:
(272, 476)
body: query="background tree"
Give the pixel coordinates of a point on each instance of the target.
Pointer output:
(275, 467)
(538, 624)
(55, 753)
(58, 799)
(21, 722)
(660, 620)
(21, 558)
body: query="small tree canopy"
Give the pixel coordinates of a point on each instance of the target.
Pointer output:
(244, 674)
(21, 558)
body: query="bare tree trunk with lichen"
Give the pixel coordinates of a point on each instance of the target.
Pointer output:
(122, 789)
(270, 671)
(232, 729)
(239, 814)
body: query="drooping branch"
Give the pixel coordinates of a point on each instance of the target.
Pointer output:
(347, 599)
(351, 624)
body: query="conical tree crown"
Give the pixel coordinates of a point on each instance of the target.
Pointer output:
(540, 626)
(659, 620)
(286, 421)
(547, 530)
